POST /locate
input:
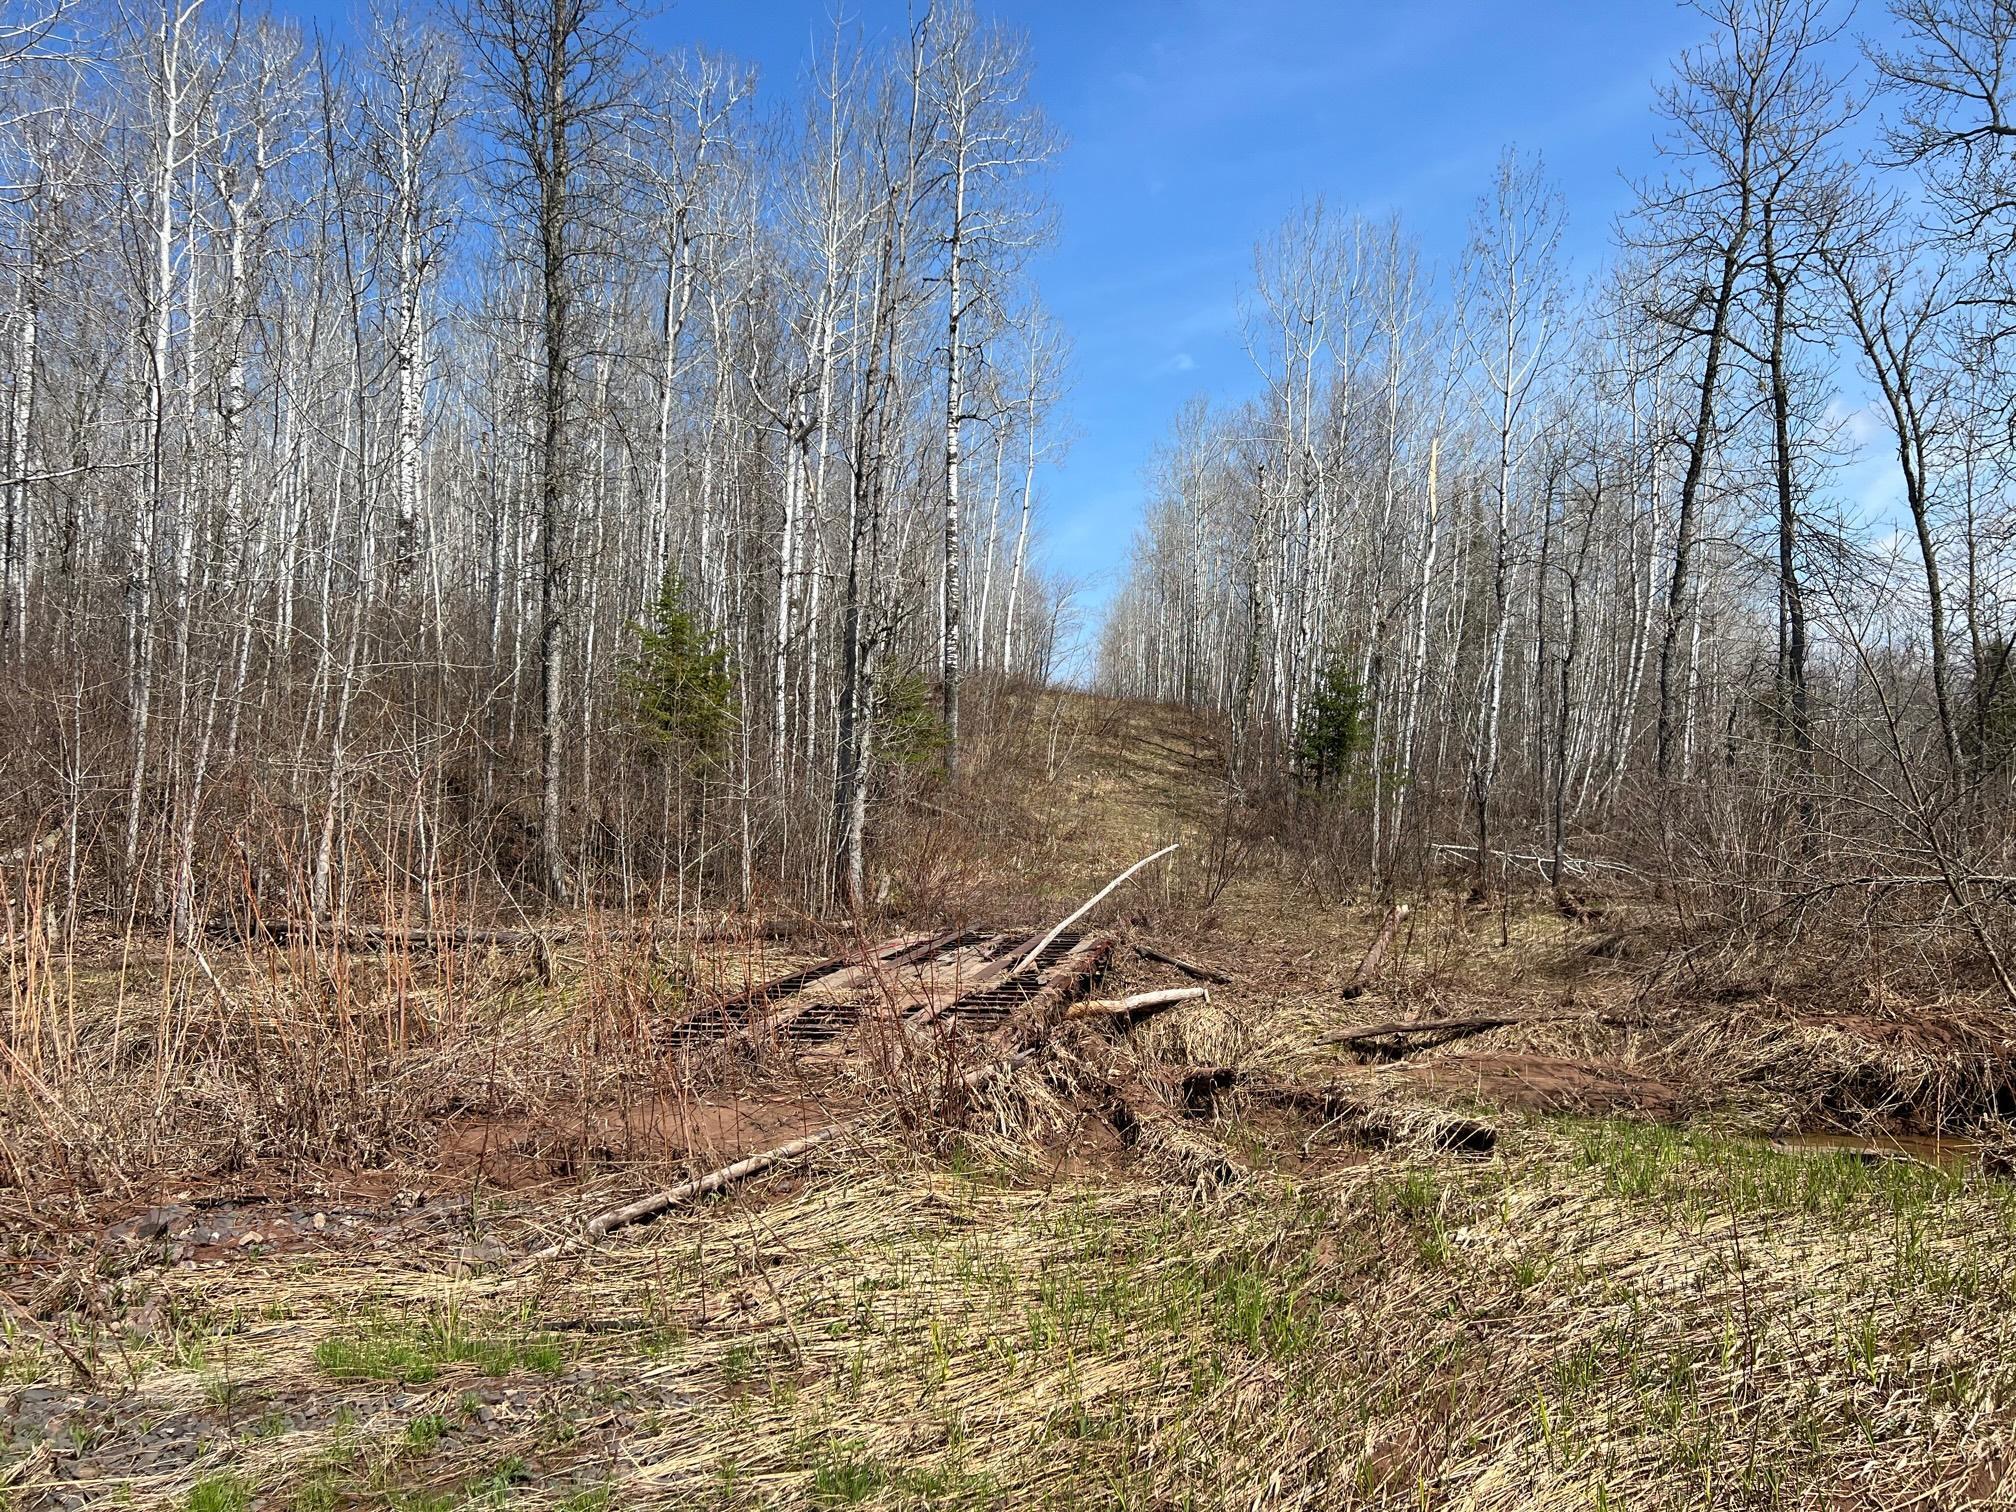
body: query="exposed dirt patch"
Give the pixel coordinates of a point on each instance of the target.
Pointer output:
(708, 1131)
(1088, 1147)
(1552, 1084)
(203, 1230)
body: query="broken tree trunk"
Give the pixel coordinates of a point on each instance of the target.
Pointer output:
(1375, 958)
(1084, 908)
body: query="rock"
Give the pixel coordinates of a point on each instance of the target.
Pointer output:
(152, 1224)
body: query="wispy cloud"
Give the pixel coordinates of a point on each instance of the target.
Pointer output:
(1861, 427)
(1179, 362)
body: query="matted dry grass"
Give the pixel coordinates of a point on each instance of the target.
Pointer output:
(1606, 1314)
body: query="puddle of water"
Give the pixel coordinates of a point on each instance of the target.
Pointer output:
(1927, 1149)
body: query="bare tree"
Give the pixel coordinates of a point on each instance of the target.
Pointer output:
(1898, 310)
(986, 137)
(1954, 73)
(557, 74)
(1738, 115)
(1513, 321)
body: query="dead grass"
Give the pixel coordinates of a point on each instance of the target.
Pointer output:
(1606, 1314)
(1079, 1286)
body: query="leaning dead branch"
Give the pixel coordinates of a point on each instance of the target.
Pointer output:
(1029, 956)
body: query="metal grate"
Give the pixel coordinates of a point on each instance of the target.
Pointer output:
(715, 1022)
(986, 1007)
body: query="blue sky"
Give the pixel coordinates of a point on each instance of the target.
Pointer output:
(1194, 126)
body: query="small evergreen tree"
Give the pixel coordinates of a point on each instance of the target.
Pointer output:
(1332, 727)
(681, 695)
(910, 731)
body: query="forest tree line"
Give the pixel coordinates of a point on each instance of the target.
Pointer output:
(480, 456)
(1516, 565)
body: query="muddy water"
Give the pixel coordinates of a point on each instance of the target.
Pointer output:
(1929, 1149)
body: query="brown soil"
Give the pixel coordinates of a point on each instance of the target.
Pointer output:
(701, 1132)
(1550, 1084)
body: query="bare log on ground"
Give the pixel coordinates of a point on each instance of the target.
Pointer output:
(714, 1181)
(1067, 977)
(372, 937)
(376, 937)
(1084, 908)
(1140, 1005)
(1188, 968)
(1395, 1041)
(1375, 958)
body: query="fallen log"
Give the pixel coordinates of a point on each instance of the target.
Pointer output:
(1189, 968)
(1140, 1005)
(375, 937)
(1375, 958)
(372, 937)
(1378, 1121)
(1395, 1041)
(726, 1176)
